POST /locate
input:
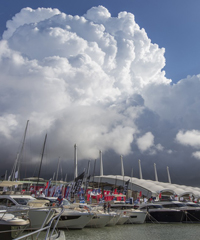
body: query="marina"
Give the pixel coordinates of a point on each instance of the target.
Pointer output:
(102, 205)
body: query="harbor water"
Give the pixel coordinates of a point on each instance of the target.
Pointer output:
(145, 231)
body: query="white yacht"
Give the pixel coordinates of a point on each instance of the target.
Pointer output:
(100, 218)
(37, 211)
(72, 217)
(123, 218)
(11, 226)
(134, 215)
(115, 218)
(51, 232)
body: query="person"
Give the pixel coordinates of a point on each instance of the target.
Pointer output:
(104, 207)
(108, 207)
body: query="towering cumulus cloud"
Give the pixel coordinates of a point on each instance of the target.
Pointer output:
(94, 80)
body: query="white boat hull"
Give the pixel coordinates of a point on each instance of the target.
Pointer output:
(99, 220)
(136, 216)
(37, 217)
(122, 219)
(74, 219)
(114, 219)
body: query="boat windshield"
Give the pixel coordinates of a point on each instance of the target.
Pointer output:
(151, 206)
(192, 205)
(174, 205)
(22, 201)
(66, 202)
(55, 200)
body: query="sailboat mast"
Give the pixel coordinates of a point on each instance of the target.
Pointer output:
(22, 148)
(57, 170)
(41, 158)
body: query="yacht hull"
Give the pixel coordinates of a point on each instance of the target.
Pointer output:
(135, 216)
(74, 220)
(99, 220)
(165, 216)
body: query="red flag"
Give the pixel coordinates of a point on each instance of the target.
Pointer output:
(140, 194)
(88, 197)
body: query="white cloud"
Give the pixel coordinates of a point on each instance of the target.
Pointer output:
(7, 124)
(54, 64)
(94, 80)
(145, 142)
(196, 154)
(189, 138)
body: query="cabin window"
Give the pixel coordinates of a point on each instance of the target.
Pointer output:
(3, 201)
(22, 201)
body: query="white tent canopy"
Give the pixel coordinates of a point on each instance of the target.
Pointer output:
(149, 187)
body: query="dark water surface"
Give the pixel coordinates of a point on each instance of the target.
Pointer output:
(138, 231)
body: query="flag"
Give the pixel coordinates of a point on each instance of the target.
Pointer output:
(160, 195)
(67, 191)
(46, 190)
(60, 200)
(78, 183)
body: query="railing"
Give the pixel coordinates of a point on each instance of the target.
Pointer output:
(47, 228)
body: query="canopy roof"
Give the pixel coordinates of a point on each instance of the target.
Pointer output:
(9, 183)
(149, 187)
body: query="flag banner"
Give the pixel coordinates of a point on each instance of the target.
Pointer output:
(46, 190)
(57, 189)
(52, 190)
(126, 187)
(78, 183)
(60, 198)
(67, 191)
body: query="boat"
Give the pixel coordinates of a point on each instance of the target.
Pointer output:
(51, 232)
(157, 213)
(123, 218)
(36, 210)
(72, 216)
(115, 218)
(100, 218)
(11, 226)
(134, 215)
(190, 210)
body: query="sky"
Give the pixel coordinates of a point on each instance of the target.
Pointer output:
(121, 77)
